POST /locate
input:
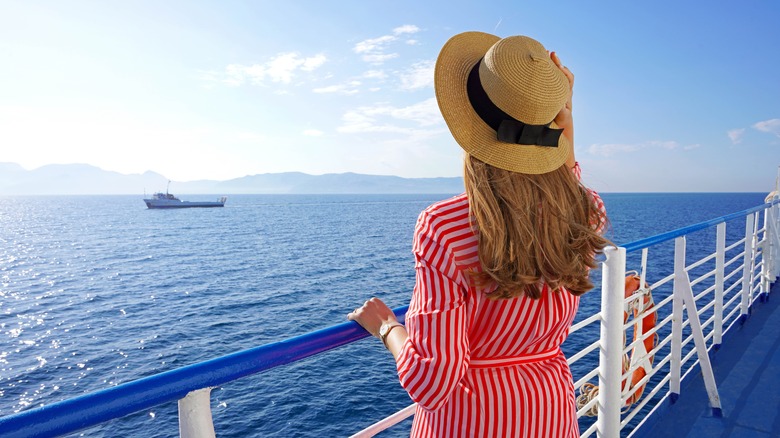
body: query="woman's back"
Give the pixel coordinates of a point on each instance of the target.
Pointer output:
(505, 376)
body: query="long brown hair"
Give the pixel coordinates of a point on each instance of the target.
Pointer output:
(533, 229)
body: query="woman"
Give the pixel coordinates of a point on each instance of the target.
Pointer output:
(500, 268)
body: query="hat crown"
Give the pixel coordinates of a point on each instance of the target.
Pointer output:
(521, 79)
(532, 91)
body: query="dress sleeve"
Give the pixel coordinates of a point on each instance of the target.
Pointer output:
(435, 356)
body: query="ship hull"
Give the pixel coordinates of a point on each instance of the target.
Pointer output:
(156, 204)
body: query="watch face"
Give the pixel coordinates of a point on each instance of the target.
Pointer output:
(383, 330)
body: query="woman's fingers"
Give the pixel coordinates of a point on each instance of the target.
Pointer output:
(557, 61)
(566, 72)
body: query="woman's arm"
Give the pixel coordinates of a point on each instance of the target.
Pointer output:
(564, 118)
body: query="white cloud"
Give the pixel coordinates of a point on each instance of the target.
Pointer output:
(669, 144)
(610, 149)
(386, 118)
(419, 75)
(314, 62)
(348, 88)
(426, 113)
(771, 126)
(378, 58)
(282, 68)
(375, 74)
(374, 50)
(313, 133)
(407, 28)
(736, 135)
(374, 44)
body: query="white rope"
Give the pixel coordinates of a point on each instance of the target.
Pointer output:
(588, 392)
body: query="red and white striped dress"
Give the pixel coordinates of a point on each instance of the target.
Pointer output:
(479, 367)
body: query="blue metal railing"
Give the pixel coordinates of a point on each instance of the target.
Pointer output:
(670, 235)
(94, 408)
(100, 406)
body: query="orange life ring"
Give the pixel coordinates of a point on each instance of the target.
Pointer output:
(642, 303)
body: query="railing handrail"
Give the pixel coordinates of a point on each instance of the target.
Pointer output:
(107, 404)
(669, 235)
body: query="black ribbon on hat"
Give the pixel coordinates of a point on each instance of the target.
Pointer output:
(508, 129)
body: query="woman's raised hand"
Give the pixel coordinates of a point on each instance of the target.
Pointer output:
(564, 118)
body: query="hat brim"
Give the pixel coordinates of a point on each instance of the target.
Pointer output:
(457, 58)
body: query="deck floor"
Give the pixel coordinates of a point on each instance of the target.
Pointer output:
(747, 372)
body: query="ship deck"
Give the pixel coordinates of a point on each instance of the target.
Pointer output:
(747, 372)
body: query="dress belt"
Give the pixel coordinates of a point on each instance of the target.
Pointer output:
(496, 362)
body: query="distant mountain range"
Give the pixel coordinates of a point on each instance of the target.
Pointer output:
(83, 179)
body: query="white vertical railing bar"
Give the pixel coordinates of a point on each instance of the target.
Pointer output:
(747, 268)
(195, 415)
(610, 355)
(775, 240)
(677, 326)
(720, 269)
(757, 266)
(682, 286)
(755, 274)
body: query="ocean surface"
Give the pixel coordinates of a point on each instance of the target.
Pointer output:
(98, 290)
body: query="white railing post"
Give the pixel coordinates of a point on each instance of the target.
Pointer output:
(770, 256)
(675, 366)
(613, 284)
(747, 270)
(684, 292)
(195, 415)
(775, 223)
(766, 250)
(720, 261)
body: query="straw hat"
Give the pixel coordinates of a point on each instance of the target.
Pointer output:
(499, 98)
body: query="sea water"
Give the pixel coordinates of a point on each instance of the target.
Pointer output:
(98, 290)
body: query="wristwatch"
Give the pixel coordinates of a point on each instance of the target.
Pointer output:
(385, 329)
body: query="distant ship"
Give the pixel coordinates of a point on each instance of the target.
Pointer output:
(168, 200)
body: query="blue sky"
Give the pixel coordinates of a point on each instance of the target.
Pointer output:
(669, 96)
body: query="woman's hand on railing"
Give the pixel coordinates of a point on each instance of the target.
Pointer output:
(372, 316)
